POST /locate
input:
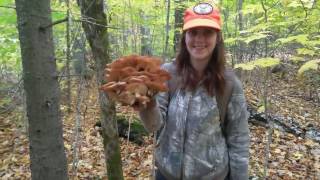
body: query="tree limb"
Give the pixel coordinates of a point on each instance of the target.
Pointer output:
(9, 7)
(54, 23)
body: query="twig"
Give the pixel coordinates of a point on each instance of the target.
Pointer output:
(54, 23)
(18, 86)
(68, 56)
(165, 53)
(94, 23)
(270, 127)
(77, 128)
(78, 123)
(9, 7)
(305, 9)
(129, 128)
(77, 75)
(153, 170)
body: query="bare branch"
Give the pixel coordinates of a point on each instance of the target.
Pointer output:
(304, 8)
(9, 7)
(54, 23)
(94, 23)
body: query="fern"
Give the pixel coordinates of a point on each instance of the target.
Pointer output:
(305, 51)
(255, 36)
(310, 65)
(296, 59)
(302, 38)
(259, 63)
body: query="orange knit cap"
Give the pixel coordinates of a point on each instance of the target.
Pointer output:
(202, 15)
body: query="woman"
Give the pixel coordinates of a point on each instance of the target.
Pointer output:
(193, 142)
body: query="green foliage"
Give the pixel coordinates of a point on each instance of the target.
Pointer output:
(306, 52)
(252, 9)
(300, 4)
(129, 17)
(4, 102)
(255, 36)
(231, 40)
(10, 59)
(289, 25)
(301, 38)
(297, 58)
(245, 66)
(261, 109)
(136, 125)
(309, 65)
(259, 63)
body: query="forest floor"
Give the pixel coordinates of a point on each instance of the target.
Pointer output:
(290, 157)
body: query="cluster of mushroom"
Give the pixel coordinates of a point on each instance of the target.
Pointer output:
(134, 80)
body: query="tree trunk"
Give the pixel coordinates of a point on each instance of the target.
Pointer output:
(133, 30)
(124, 31)
(79, 60)
(240, 21)
(226, 13)
(47, 155)
(265, 20)
(68, 54)
(166, 54)
(145, 37)
(178, 22)
(96, 33)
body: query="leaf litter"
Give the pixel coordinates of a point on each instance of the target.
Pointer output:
(291, 157)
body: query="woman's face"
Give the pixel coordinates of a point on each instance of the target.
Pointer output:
(200, 43)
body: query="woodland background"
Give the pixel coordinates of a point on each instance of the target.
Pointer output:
(274, 45)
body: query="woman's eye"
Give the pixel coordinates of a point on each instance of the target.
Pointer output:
(208, 32)
(193, 32)
(205, 32)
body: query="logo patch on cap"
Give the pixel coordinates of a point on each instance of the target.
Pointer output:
(203, 8)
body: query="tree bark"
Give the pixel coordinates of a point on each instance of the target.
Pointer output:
(68, 56)
(265, 20)
(47, 154)
(96, 33)
(178, 22)
(145, 37)
(165, 53)
(240, 21)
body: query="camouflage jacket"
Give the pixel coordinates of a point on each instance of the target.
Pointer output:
(191, 144)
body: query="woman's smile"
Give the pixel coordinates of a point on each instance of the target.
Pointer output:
(200, 43)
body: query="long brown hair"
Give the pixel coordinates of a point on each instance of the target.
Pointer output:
(214, 80)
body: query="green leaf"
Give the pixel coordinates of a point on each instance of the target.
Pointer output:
(231, 40)
(60, 65)
(285, 3)
(5, 101)
(266, 62)
(261, 109)
(305, 51)
(259, 63)
(310, 65)
(297, 58)
(252, 9)
(301, 38)
(254, 37)
(295, 4)
(245, 66)
(314, 43)
(261, 26)
(307, 3)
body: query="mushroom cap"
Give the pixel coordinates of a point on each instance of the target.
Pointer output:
(135, 79)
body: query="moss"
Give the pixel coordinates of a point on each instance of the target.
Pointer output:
(137, 131)
(114, 161)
